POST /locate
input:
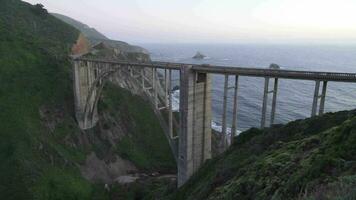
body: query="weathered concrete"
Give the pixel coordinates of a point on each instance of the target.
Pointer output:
(234, 110)
(315, 99)
(264, 103)
(86, 88)
(223, 144)
(195, 118)
(274, 101)
(266, 92)
(322, 98)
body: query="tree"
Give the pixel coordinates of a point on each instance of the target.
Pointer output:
(40, 10)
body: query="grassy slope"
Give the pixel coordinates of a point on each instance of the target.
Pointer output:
(34, 72)
(311, 159)
(145, 143)
(37, 162)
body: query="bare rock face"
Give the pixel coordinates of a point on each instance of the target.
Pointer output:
(82, 46)
(199, 55)
(97, 170)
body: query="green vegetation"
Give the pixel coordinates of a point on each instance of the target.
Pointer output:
(148, 190)
(145, 143)
(128, 51)
(35, 80)
(85, 29)
(306, 159)
(41, 146)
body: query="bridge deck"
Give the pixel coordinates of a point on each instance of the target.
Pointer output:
(242, 71)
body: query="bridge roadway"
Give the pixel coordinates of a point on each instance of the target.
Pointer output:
(242, 71)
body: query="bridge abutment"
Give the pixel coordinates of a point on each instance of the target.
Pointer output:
(195, 126)
(85, 96)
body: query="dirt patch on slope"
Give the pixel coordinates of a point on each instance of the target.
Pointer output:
(97, 170)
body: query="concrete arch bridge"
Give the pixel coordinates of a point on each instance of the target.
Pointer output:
(189, 135)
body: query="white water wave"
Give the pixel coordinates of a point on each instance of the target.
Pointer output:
(175, 100)
(214, 125)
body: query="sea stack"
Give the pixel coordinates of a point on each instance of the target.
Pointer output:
(274, 66)
(199, 55)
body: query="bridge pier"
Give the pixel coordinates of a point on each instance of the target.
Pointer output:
(223, 144)
(170, 112)
(322, 99)
(195, 122)
(265, 101)
(264, 104)
(274, 101)
(85, 75)
(234, 110)
(317, 97)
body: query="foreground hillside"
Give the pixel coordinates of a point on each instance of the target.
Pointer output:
(305, 159)
(43, 154)
(34, 75)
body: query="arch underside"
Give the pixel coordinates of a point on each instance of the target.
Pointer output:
(125, 78)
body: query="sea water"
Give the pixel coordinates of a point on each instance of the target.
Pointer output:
(295, 97)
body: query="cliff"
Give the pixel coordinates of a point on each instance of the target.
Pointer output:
(125, 50)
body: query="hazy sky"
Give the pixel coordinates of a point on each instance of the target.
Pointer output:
(215, 21)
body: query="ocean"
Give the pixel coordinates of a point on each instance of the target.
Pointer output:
(295, 97)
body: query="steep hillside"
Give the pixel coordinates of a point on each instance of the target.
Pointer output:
(43, 154)
(85, 29)
(95, 37)
(34, 81)
(305, 159)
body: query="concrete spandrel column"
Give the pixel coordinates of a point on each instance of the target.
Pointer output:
(195, 126)
(316, 98)
(264, 103)
(322, 100)
(274, 101)
(223, 144)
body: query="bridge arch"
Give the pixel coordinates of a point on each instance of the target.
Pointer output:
(189, 139)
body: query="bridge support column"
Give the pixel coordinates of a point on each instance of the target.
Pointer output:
(265, 101)
(85, 94)
(143, 78)
(155, 87)
(274, 100)
(224, 123)
(195, 122)
(264, 104)
(315, 99)
(170, 112)
(322, 100)
(234, 110)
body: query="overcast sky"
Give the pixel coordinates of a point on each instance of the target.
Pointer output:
(215, 21)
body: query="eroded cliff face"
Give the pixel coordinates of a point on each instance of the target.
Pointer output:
(82, 45)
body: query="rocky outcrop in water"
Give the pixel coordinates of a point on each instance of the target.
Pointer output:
(274, 66)
(199, 55)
